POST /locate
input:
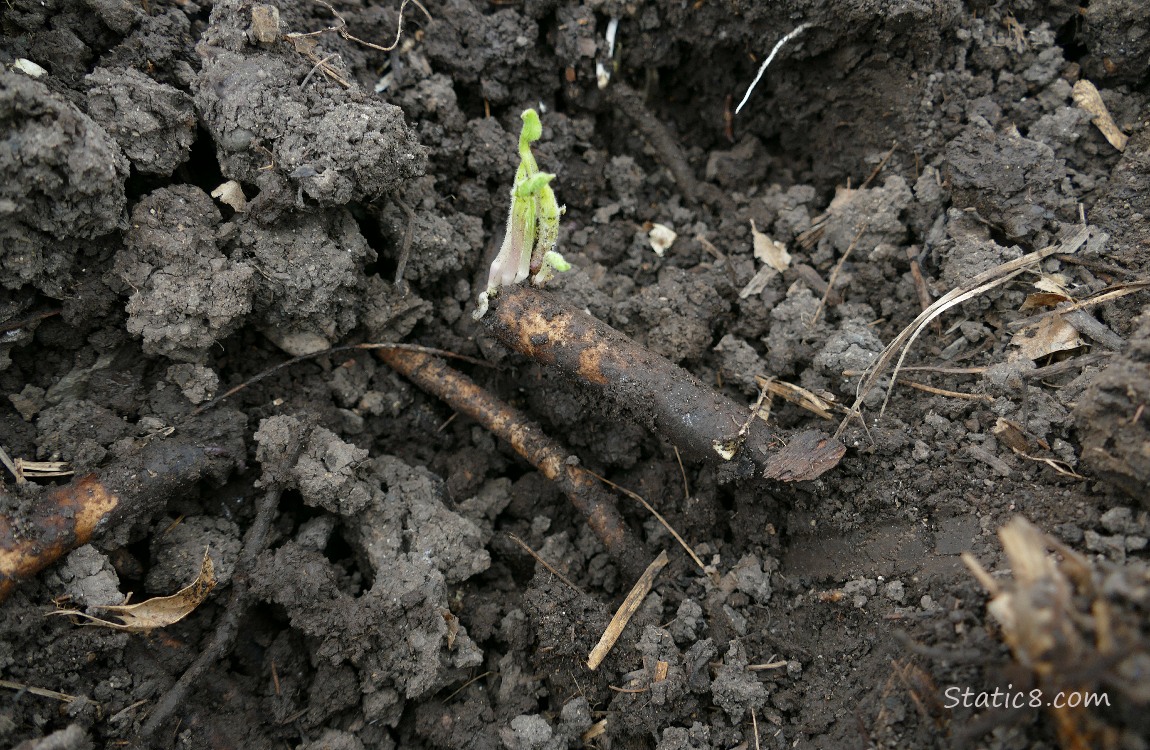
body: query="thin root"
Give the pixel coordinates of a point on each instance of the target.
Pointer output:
(529, 441)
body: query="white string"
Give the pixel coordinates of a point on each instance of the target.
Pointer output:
(762, 68)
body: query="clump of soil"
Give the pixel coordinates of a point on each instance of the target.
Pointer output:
(894, 152)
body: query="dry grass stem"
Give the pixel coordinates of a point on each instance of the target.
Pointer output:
(42, 692)
(878, 167)
(597, 729)
(797, 395)
(769, 665)
(683, 472)
(920, 287)
(1059, 466)
(42, 469)
(8, 464)
(835, 274)
(626, 610)
(926, 368)
(949, 394)
(658, 516)
(462, 687)
(544, 563)
(981, 283)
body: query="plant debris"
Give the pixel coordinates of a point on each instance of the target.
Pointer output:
(158, 612)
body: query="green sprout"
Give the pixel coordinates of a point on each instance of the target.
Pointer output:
(528, 250)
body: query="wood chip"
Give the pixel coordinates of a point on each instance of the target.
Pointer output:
(626, 610)
(989, 459)
(597, 729)
(1011, 435)
(231, 194)
(661, 238)
(1095, 330)
(758, 282)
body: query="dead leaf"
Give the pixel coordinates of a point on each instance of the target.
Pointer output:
(452, 628)
(806, 456)
(158, 612)
(231, 194)
(1041, 300)
(1053, 282)
(772, 252)
(1011, 435)
(1047, 336)
(1087, 97)
(758, 282)
(661, 237)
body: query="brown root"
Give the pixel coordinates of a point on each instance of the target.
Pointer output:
(70, 516)
(529, 441)
(700, 421)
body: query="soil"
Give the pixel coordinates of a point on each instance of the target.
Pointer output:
(896, 149)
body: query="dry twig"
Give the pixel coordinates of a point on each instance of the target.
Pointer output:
(539, 559)
(835, 274)
(658, 517)
(341, 27)
(626, 610)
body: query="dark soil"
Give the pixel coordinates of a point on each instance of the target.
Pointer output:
(904, 140)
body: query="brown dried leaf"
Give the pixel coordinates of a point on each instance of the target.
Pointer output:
(1056, 283)
(158, 612)
(1087, 97)
(1041, 300)
(758, 282)
(231, 193)
(452, 628)
(661, 238)
(1047, 336)
(1011, 435)
(806, 456)
(770, 251)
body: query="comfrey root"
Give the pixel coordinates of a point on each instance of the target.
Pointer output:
(697, 419)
